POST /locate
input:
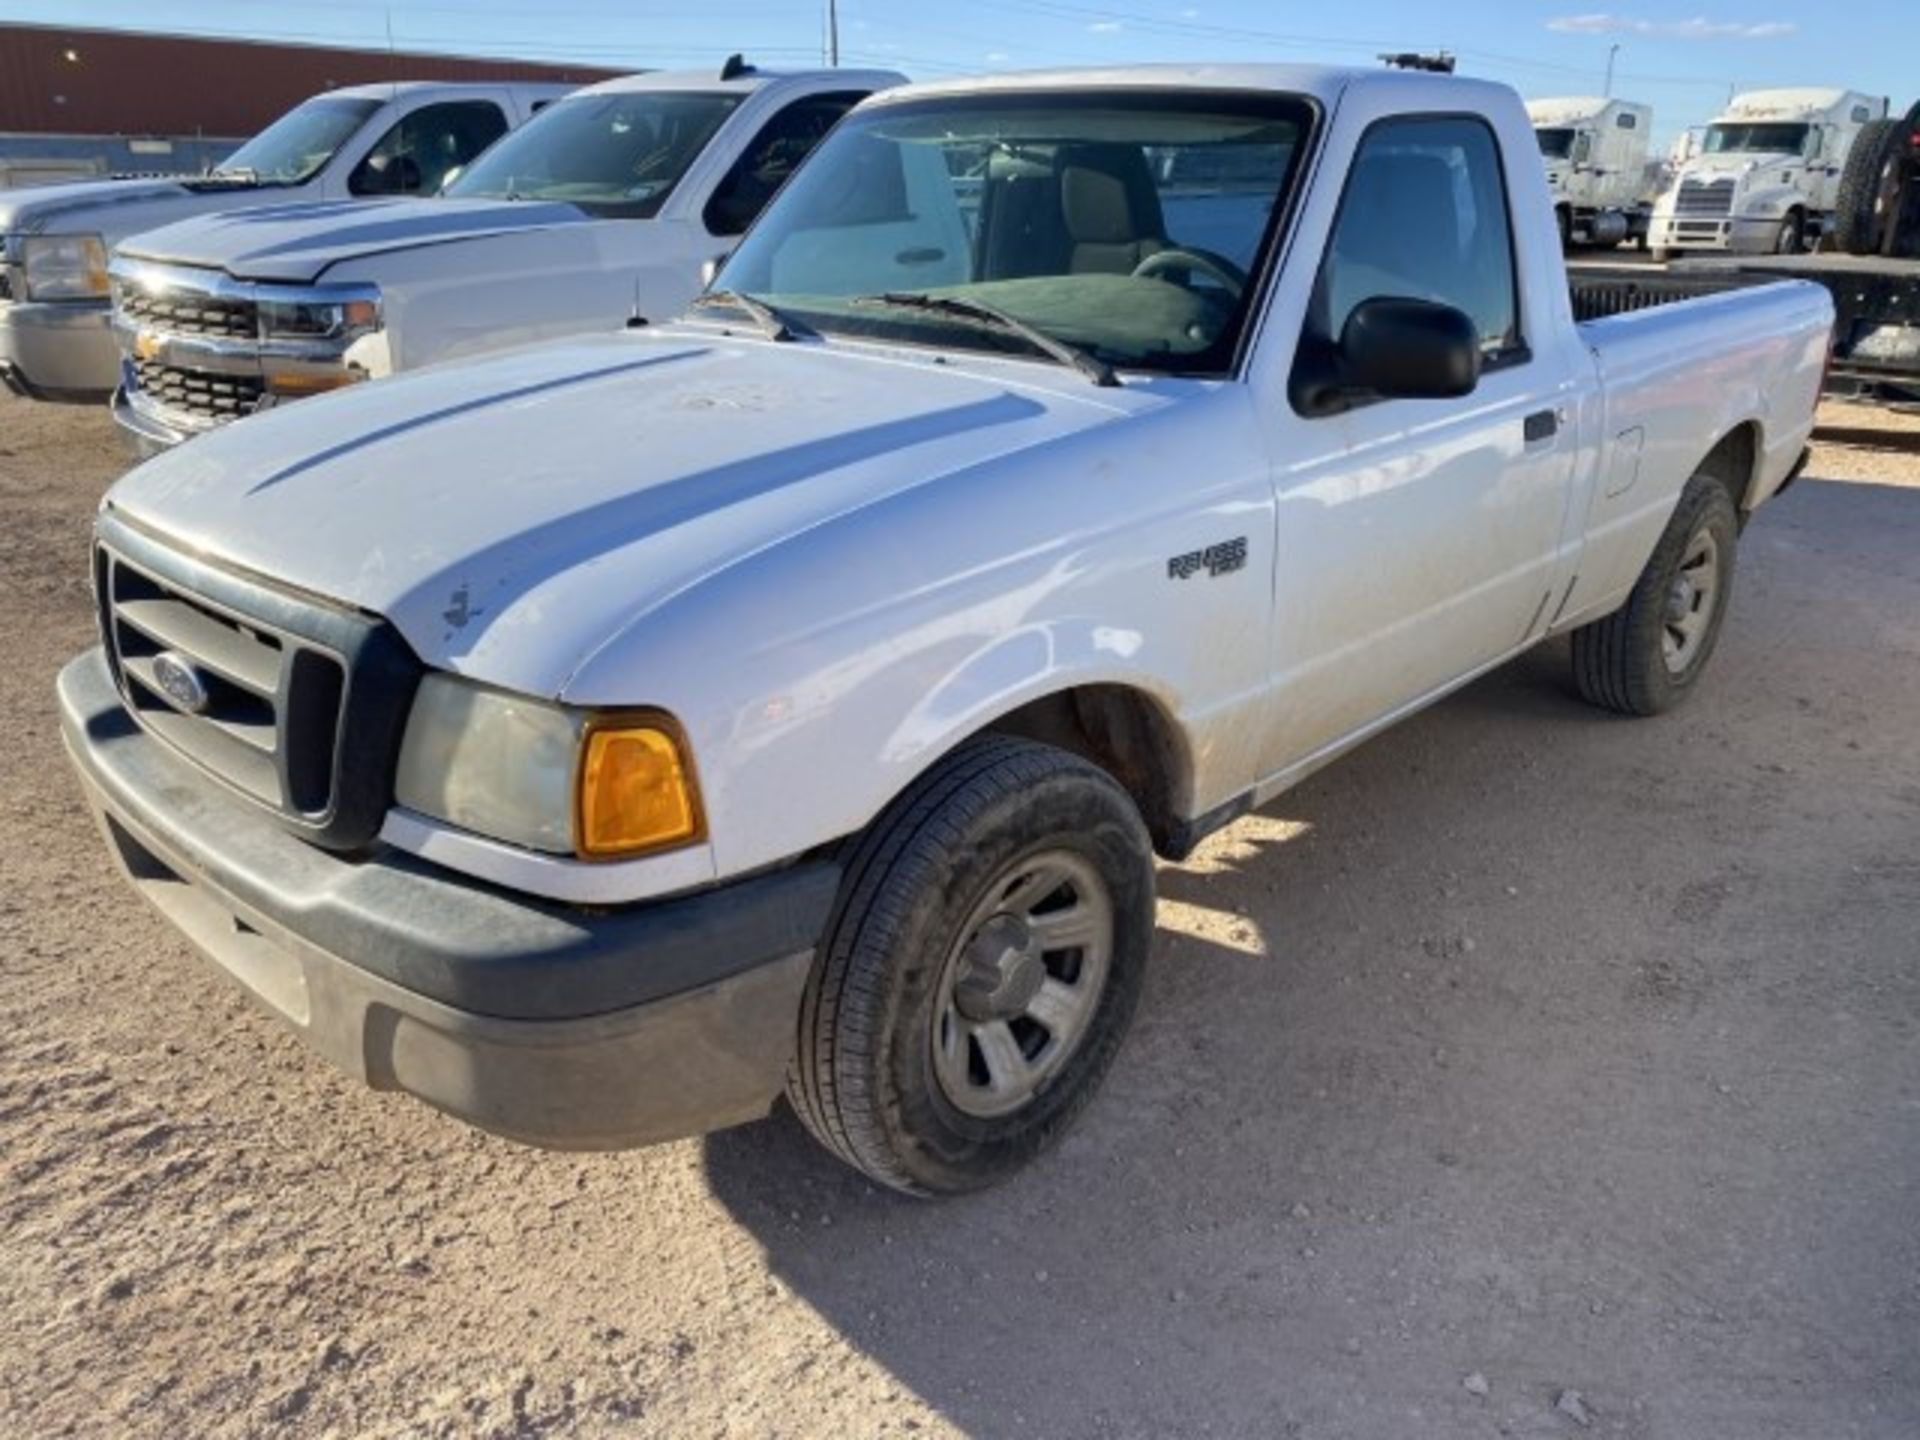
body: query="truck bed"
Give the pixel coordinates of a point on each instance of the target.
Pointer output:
(1876, 350)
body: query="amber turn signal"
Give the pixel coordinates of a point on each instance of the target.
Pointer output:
(636, 792)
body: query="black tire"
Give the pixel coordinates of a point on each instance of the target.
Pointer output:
(1792, 236)
(1859, 222)
(1620, 662)
(863, 1079)
(1563, 221)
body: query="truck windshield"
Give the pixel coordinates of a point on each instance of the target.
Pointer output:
(614, 155)
(300, 142)
(1755, 139)
(1555, 144)
(1128, 228)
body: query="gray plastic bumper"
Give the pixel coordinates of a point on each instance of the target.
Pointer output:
(58, 351)
(556, 1026)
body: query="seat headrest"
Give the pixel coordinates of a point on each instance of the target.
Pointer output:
(1107, 196)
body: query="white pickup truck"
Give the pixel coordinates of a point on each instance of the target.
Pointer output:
(367, 140)
(601, 212)
(596, 741)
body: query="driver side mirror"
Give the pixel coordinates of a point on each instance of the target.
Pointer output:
(452, 175)
(1392, 349)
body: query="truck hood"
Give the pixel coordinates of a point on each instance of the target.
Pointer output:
(512, 515)
(297, 244)
(116, 208)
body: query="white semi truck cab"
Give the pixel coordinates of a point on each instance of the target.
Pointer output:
(1595, 151)
(1766, 176)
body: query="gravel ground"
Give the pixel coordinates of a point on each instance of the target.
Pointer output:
(1526, 1052)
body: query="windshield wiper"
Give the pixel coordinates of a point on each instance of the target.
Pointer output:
(1088, 364)
(773, 324)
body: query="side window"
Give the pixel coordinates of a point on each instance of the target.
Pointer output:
(783, 142)
(1629, 122)
(1424, 217)
(413, 158)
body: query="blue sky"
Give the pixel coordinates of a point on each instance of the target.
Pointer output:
(1680, 56)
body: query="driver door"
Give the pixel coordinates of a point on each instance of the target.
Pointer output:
(1417, 539)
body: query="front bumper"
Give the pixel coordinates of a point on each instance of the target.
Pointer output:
(146, 435)
(1740, 236)
(62, 351)
(552, 1025)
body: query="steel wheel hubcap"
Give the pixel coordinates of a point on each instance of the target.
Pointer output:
(1691, 599)
(1019, 992)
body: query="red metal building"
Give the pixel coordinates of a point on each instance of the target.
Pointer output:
(57, 80)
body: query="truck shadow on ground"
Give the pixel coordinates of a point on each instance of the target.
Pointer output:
(1281, 1122)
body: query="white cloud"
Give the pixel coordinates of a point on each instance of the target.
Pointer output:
(1105, 27)
(997, 57)
(1697, 28)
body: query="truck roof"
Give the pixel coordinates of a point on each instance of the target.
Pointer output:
(1788, 103)
(390, 89)
(754, 78)
(1322, 82)
(1571, 109)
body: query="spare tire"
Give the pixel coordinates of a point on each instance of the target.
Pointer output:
(1870, 186)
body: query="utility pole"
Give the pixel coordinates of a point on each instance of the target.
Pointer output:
(1613, 54)
(833, 33)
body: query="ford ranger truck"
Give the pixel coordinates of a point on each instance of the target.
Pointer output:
(601, 740)
(367, 140)
(601, 212)
(1766, 177)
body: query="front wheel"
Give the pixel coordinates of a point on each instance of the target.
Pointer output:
(1791, 238)
(1645, 657)
(980, 969)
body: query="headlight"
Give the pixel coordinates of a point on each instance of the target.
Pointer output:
(548, 778)
(64, 267)
(321, 317)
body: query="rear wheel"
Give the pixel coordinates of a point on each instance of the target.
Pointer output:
(1645, 657)
(980, 970)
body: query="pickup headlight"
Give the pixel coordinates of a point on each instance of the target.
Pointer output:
(64, 267)
(548, 778)
(313, 317)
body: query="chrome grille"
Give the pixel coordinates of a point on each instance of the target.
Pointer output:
(1709, 198)
(184, 312)
(296, 704)
(198, 394)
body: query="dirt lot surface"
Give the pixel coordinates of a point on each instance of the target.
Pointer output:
(1528, 1051)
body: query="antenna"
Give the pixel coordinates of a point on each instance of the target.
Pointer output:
(393, 61)
(833, 33)
(1613, 54)
(1438, 64)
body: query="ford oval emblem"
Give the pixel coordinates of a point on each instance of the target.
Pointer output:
(182, 681)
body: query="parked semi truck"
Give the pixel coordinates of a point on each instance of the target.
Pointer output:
(1872, 267)
(601, 211)
(366, 140)
(1595, 151)
(1765, 178)
(600, 739)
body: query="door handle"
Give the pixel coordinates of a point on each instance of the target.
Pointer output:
(1542, 425)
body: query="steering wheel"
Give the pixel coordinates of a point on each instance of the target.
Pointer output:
(1216, 267)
